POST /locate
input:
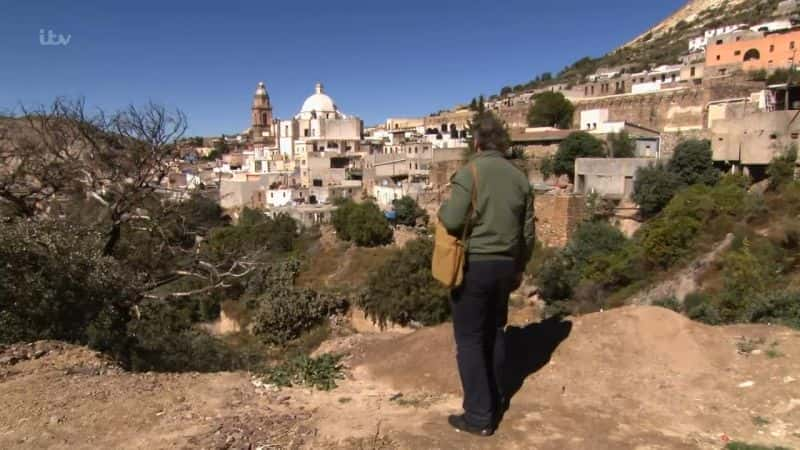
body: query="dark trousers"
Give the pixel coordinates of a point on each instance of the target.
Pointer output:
(480, 313)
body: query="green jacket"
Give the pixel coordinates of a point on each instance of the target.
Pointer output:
(503, 225)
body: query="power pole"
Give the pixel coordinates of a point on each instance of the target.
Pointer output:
(789, 80)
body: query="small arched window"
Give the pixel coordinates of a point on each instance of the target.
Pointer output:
(752, 55)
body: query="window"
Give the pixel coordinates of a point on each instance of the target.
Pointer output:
(719, 42)
(305, 132)
(718, 56)
(692, 71)
(791, 45)
(771, 48)
(795, 135)
(737, 53)
(752, 55)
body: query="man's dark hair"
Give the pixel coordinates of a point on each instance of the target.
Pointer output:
(490, 132)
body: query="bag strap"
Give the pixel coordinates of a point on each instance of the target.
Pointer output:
(473, 204)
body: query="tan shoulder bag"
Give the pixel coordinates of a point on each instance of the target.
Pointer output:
(449, 252)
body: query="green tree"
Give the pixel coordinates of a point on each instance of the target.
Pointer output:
(362, 223)
(369, 227)
(489, 131)
(579, 144)
(746, 276)
(693, 164)
(620, 145)
(782, 168)
(505, 91)
(403, 290)
(653, 188)
(546, 167)
(551, 109)
(55, 283)
(408, 211)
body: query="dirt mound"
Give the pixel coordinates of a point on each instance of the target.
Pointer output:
(634, 374)
(56, 395)
(632, 378)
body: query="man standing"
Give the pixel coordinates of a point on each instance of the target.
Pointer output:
(499, 243)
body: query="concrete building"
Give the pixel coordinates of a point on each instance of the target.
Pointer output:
(608, 177)
(596, 122)
(755, 139)
(700, 43)
(765, 51)
(538, 142)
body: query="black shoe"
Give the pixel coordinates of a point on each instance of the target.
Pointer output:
(502, 407)
(460, 423)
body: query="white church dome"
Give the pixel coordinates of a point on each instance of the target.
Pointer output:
(318, 102)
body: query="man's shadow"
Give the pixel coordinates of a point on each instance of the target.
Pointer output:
(529, 348)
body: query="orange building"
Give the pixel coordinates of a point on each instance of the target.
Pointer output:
(772, 51)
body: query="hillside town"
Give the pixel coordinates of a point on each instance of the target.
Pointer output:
(719, 92)
(603, 257)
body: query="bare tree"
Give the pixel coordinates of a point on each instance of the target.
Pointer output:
(51, 155)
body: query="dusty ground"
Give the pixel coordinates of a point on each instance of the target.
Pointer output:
(632, 378)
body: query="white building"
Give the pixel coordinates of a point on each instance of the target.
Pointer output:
(652, 80)
(701, 42)
(770, 27)
(277, 198)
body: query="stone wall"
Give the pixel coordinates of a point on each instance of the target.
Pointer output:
(682, 109)
(557, 216)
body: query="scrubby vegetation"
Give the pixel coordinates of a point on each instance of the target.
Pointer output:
(321, 372)
(402, 290)
(92, 254)
(579, 144)
(361, 223)
(409, 212)
(551, 109)
(656, 185)
(754, 281)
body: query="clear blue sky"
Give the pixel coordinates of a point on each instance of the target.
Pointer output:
(378, 59)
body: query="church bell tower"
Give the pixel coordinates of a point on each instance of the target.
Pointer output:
(261, 128)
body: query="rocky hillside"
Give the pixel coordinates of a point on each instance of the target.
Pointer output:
(693, 13)
(666, 42)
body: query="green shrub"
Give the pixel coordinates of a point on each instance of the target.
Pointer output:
(706, 312)
(255, 232)
(164, 339)
(745, 276)
(779, 307)
(782, 168)
(695, 299)
(620, 145)
(560, 273)
(408, 211)
(579, 144)
(285, 313)
(654, 187)
(320, 373)
(555, 279)
(403, 290)
(666, 240)
(56, 284)
(551, 109)
(362, 223)
(670, 303)
(693, 164)
(737, 445)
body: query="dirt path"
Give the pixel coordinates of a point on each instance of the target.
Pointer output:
(633, 378)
